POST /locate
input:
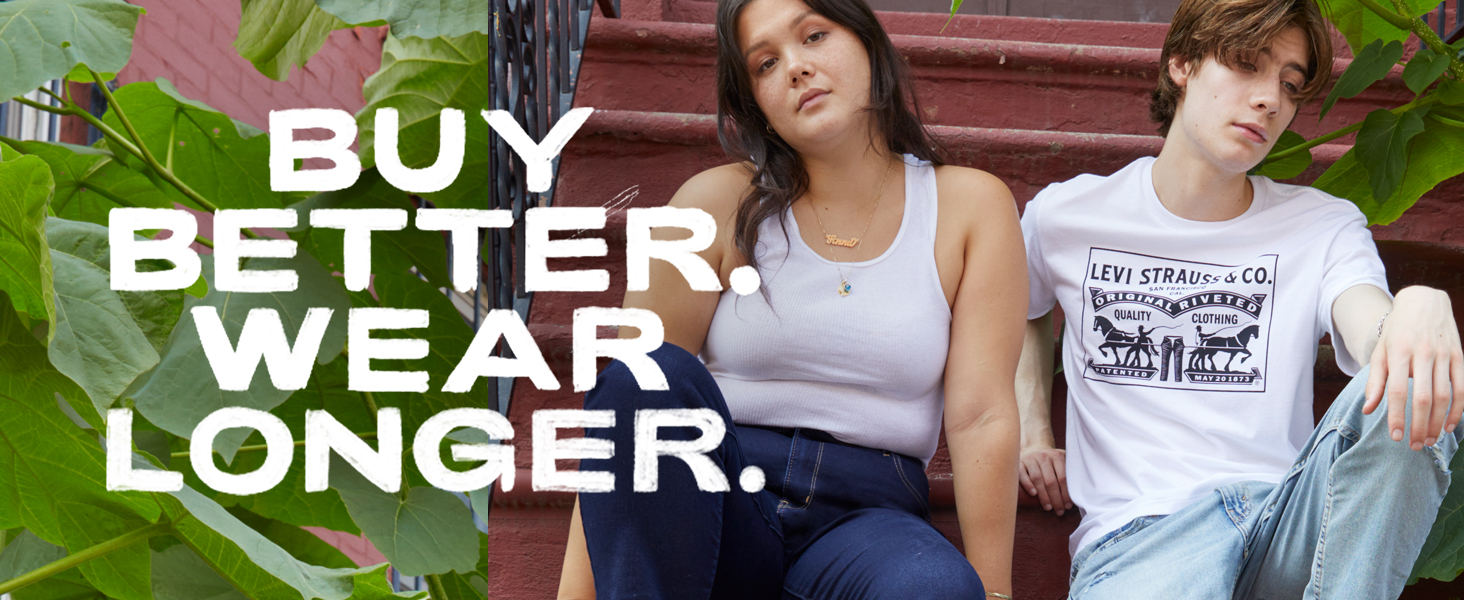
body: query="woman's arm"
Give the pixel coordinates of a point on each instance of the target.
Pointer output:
(576, 582)
(987, 322)
(686, 315)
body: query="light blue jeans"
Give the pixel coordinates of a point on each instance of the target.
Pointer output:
(1347, 521)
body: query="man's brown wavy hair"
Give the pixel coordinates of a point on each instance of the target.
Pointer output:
(1233, 31)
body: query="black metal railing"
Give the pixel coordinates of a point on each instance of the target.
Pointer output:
(535, 56)
(1448, 23)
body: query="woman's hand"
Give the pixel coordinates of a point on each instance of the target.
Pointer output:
(1419, 339)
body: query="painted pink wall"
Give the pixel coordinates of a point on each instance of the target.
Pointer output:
(190, 42)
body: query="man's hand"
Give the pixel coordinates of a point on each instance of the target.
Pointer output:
(1419, 339)
(1043, 474)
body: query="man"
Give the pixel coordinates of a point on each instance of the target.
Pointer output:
(1205, 478)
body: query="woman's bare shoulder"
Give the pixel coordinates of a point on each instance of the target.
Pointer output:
(969, 194)
(717, 190)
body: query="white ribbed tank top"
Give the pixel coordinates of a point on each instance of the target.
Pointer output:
(866, 368)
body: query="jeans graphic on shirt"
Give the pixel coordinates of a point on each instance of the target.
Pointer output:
(1177, 324)
(1171, 352)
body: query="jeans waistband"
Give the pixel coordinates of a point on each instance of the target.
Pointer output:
(819, 435)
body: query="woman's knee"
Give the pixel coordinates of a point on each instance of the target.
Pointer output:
(883, 553)
(689, 385)
(938, 576)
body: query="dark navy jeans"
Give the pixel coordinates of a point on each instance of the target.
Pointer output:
(834, 520)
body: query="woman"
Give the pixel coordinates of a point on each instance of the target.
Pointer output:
(875, 318)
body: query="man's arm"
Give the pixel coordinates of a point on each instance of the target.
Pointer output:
(1042, 472)
(1419, 338)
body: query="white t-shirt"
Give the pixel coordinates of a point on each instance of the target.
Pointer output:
(1188, 346)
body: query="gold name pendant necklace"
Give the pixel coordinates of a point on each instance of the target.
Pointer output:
(845, 288)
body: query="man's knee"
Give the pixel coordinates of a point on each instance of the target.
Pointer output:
(1391, 457)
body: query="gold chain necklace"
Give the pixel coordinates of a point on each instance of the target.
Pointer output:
(845, 288)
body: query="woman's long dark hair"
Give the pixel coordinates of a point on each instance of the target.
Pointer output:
(779, 176)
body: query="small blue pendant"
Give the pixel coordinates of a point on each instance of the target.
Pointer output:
(845, 288)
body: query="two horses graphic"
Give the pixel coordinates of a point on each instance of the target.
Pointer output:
(1210, 345)
(1202, 359)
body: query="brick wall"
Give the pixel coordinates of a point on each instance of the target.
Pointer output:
(190, 43)
(1146, 11)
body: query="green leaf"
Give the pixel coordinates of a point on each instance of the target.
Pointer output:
(55, 470)
(41, 40)
(1290, 166)
(246, 559)
(245, 130)
(470, 585)
(224, 161)
(278, 34)
(66, 586)
(123, 574)
(300, 543)
(199, 289)
(259, 567)
(25, 264)
(27, 553)
(372, 584)
(82, 73)
(174, 196)
(182, 389)
(98, 342)
(1450, 92)
(25, 371)
(78, 524)
(1442, 556)
(1361, 25)
(392, 252)
(420, 77)
(288, 502)
(438, 18)
(1447, 115)
(90, 182)
(1382, 144)
(1370, 65)
(448, 337)
(428, 531)
(1432, 157)
(155, 313)
(179, 574)
(1423, 69)
(480, 504)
